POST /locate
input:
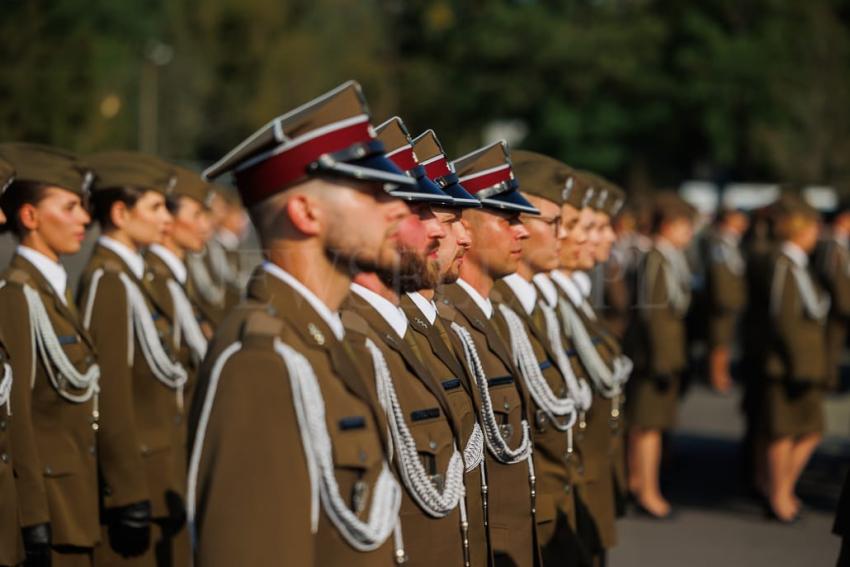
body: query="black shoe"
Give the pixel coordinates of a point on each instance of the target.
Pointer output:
(646, 513)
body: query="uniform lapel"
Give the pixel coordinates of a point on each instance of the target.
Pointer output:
(419, 324)
(473, 314)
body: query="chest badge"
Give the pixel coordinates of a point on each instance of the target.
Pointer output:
(316, 334)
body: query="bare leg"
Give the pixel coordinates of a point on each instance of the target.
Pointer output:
(634, 461)
(648, 444)
(778, 468)
(801, 452)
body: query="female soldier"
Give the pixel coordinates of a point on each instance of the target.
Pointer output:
(143, 382)
(54, 399)
(659, 350)
(791, 409)
(11, 547)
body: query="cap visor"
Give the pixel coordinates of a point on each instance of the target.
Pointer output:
(377, 168)
(510, 201)
(461, 199)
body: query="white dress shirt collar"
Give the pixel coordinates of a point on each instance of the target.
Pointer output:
(133, 260)
(330, 317)
(583, 282)
(547, 289)
(392, 314)
(227, 239)
(524, 291)
(797, 255)
(52, 271)
(483, 303)
(426, 306)
(175, 264)
(568, 286)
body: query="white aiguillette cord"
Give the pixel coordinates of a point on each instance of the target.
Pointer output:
(184, 317)
(538, 387)
(579, 390)
(606, 381)
(497, 445)
(309, 406)
(53, 355)
(432, 501)
(6, 388)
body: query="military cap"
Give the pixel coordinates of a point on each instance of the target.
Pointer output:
(577, 191)
(48, 166)
(791, 203)
(541, 175)
(616, 200)
(7, 175)
(190, 184)
(118, 169)
(487, 173)
(438, 168)
(669, 205)
(398, 147)
(329, 135)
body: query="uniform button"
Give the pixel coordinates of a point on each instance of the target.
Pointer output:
(4, 457)
(2, 425)
(567, 488)
(433, 445)
(507, 406)
(48, 470)
(362, 455)
(89, 360)
(92, 449)
(145, 450)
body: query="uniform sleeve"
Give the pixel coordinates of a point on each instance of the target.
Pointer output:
(253, 489)
(119, 460)
(32, 496)
(786, 310)
(658, 318)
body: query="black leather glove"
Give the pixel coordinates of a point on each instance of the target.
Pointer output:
(130, 528)
(797, 388)
(663, 382)
(37, 540)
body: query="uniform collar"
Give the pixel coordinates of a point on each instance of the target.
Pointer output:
(427, 307)
(227, 239)
(524, 291)
(331, 318)
(133, 260)
(52, 271)
(795, 253)
(583, 282)
(483, 303)
(568, 286)
(547, 289)
(175, 264)
(392, 314)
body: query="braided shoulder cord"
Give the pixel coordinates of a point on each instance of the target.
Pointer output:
(579, 390)
(604, 379)
(497, 445)
(212, 292)
(539, 389)
(473, 453)
(435, 503)
(184, 319)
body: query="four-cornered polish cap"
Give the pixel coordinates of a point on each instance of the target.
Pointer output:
(119, 169)
(330, 135)
(541, 175)
(189, 183)
(616, 200)
(438, 168)
(487, 174)
(7, 175)
(47, 165)
(399, 149)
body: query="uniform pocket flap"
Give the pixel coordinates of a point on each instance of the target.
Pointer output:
(156, 441)
(357, 449)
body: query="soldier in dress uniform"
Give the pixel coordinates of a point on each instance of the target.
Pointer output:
(658, 346)
(54, 399)
(188, 202)
(504, 408)
(280, 393)
(726, 292)
(433, 339)
(143, 410)
(832, 262)
(597, 354)
(11, 545)
(216, 275)
(613, 281)
(796, 370)
(424, 432)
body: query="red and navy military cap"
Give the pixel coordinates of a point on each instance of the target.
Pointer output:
(438, 168)
(488, 175)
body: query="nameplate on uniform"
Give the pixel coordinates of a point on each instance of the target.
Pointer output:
(545, 364)
(500, 381)
(421, 415)
(452, 384)
(353, 422)
(68, 339)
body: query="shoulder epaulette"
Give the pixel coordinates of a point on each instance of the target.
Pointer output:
(354, 322)
(261, 324)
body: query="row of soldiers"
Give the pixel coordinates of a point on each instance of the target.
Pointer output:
(415, 373)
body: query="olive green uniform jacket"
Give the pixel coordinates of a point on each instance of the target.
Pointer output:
(11, 546)
(54, 438)
(510, 509)
(833, 265)
(249, 484)
(428, 415)
(727, 289)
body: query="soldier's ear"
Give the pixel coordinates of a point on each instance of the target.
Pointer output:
(118, 214)
(304, 214)
(28, 216)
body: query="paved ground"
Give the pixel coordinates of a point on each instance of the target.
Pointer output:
(716, 523)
